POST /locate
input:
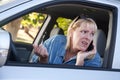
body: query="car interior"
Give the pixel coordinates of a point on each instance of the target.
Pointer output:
(21, 52)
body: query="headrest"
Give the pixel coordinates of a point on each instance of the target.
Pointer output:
(56, 31)
(100, 41)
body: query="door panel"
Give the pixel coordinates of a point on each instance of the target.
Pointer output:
(42, 73)
(23, 51)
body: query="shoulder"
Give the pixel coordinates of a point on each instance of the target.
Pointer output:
(58, 38)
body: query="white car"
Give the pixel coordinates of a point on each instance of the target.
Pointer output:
(16, 52)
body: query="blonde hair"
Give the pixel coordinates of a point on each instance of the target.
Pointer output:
(75, 24)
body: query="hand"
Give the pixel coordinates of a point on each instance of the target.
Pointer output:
(41, 51)
(81, 56)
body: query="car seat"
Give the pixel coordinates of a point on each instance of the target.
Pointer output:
(100, 41)
(56, 31)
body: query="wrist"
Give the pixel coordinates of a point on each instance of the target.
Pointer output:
(80, 62)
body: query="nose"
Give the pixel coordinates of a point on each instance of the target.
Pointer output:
(89, 37)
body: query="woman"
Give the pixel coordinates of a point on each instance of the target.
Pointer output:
(74, 50)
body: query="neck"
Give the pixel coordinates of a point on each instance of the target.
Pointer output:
(68, 55)
(71, 53)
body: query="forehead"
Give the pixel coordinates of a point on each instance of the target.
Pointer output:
(87, 26)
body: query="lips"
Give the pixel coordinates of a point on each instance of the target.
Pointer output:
(84, 44)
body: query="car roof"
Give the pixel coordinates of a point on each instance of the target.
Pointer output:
(6, 4)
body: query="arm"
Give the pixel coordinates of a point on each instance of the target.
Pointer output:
(52, 48)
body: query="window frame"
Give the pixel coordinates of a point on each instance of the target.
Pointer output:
(111, 35)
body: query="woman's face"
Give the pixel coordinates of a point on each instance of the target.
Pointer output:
(82, 37)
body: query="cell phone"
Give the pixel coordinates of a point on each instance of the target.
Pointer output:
(90, 46)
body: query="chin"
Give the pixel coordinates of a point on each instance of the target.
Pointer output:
(83, 49)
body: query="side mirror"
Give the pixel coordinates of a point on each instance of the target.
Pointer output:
(4, 46)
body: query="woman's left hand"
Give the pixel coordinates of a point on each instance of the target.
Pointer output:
(81, 56)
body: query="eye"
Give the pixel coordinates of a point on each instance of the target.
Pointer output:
(92, 34)
(83, 31)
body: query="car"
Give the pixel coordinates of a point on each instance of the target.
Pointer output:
(17, 37)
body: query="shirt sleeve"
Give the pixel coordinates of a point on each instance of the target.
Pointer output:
(50, 44)
(95, 62)
(35, 58)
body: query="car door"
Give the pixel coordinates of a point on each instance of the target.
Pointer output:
(24, 70)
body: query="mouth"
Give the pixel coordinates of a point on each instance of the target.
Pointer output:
(84, 44)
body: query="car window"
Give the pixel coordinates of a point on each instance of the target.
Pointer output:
(63, 23)
(25, 29)
(38, 25)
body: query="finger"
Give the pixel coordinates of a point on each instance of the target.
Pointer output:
(42, 50)
(94, 46)
(35, 48)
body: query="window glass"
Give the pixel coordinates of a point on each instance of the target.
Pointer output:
(63, 23)
(25, 28)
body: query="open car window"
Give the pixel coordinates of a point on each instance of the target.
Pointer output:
(37, 26)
